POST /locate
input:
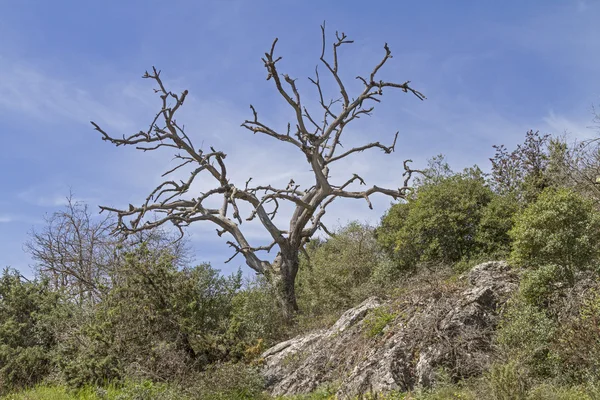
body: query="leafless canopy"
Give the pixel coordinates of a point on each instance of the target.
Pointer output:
(79, 256)
(317, 134)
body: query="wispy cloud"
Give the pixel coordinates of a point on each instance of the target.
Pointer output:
(30, 91)
(578, 126)
(488, 80)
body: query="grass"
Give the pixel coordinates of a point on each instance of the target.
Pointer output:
(53, 393)
(130, 391)
(148, 391)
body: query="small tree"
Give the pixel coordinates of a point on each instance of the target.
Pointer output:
(318, 138)
(74, 251)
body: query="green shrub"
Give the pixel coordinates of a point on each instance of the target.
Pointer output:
(390, 233)
(561, 227)
(440, 223)
(507, 381)
(157, 322)
(577, 345)
(256, 322)
(537, 286)
(524, 336)
(28, 311)
(495, 223)
(339, 273)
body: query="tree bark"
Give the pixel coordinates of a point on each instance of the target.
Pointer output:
(282, 276)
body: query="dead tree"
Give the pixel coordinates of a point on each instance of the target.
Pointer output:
(78, 255)
(318, 138)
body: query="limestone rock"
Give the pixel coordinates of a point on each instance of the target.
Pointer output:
(443, 325)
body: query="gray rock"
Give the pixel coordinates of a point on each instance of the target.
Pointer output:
(437, 326)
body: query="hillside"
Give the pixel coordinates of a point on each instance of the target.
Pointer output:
(399, 345)
(413, 308)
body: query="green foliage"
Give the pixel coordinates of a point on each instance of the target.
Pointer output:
(524, 336)
(441, 223)
(559, 228)
(391, 233)
(157, 321)
(495, 223)
(28, 310)
(219, 382)
(507, 381)
(228, 382)
(537, 286)
(550, 391)
(144, 390)
(255, 322)
(340, 271)
(577, 345)
(376, 321)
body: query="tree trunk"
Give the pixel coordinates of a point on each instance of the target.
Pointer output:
(283, 277)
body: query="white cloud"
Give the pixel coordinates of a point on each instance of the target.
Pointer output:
(577, 126)
(50, 195)
(31, 91)
(449, 122)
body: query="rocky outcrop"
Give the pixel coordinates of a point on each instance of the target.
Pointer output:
(397, 345)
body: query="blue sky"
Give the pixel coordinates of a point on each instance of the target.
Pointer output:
(490, 70)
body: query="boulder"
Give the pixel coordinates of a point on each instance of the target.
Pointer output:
(438, 325)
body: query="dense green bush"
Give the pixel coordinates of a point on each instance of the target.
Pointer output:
(28, 312)
(577, 345)
(156, 322)
(539, 285)
(255, 322)
(496, 221)
(561, 227)
(440, 224)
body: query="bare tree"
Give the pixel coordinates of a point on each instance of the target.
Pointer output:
(74, 251)
(318, 138)
(78, 254)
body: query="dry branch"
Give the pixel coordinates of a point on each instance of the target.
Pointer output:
(318, 139)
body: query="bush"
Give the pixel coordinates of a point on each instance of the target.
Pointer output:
(157, 322)
(28, 310)
(495, 223)
(525, 335)
(440, 224)
(561, 228)
(507, 381)
(256, 321)
(390, 233)
(340, 271)
(577, 345)
(538, 286)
